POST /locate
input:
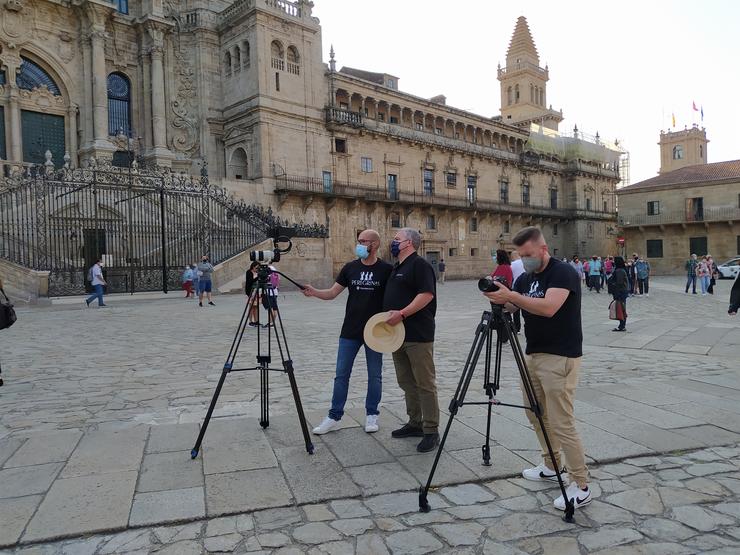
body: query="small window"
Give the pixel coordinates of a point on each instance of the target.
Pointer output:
(395, 219)
(431, 221)
(474, 252)
(606, 206)
(678, 152)
(471, 189)
(553, 198)
(366, 165)
(340, 146)
(525, 193)
(453, 251)
(701, 152)
(419, 126)
(554, 229)
(654, 248)
(391, 84)
(327, 181)
(588, 204)
(451, 179)
(428, 183)
(504, 194)
(277, 81)
(393, 119)
(653, 207)
(473, 224)
(698, 245)
(507, 226)
(122, 6)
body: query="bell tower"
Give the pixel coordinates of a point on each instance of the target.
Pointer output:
(683, 148)
(524, 83)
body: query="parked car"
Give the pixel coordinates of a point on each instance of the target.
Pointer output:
(729, 269)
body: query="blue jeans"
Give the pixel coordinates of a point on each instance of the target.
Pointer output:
(97, 295)
(691, 280)
(348, 349)
(704, 280)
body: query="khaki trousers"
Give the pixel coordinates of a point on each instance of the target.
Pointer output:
(415, 372)
(554, 380)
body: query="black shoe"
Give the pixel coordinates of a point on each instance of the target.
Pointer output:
(408, 431)
(429, 443)
(254, 324)
(211, 303)
(87, 303)
(619, 329)
(102, 306)
(200, 304)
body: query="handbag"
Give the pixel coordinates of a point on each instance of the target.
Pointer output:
(7, 313)
(617, 310)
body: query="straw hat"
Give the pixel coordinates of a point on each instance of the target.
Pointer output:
(381, 336)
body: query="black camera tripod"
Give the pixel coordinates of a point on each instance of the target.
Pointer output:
(263, 290)
(499, 321)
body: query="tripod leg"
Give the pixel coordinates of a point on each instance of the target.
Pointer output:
(204, 427)
(537, 409)
(264, 398)
(458, 400)
(490, 391)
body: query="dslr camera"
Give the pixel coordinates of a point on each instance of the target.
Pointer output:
(488, 284)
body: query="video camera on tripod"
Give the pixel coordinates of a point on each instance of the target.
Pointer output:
(278, 235)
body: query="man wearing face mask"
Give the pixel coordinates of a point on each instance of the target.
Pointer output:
(366, 279)
(205, 285)
(411, 297)
(549, 295)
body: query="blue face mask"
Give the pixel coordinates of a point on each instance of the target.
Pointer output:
(396, 247)
(362, 251)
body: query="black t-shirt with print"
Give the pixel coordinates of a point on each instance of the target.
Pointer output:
(366, 285)
(413, 276)
(561, 334)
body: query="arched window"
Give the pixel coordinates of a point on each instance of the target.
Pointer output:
(119, 104)
(227, 63)
(531, 92)
(508, 96)
(516, 94)
(238, 164)
(293, 56)
(701, 152)
(31, 76)
(678, 152)
(276, 49)
(237, 59)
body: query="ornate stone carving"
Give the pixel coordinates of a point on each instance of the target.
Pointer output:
(65, 47)
(42, 97)
(13, 16)
(185, 138)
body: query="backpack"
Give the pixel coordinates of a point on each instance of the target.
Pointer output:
(90, 274)
(274, 280)
(7, 313)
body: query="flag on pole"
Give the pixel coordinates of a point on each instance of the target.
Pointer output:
(702, 113)
(693, 105)
(673, 120)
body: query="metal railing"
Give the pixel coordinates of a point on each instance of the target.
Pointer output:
(317, 186)
(712, 214)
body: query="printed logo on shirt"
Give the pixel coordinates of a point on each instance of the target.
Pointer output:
(534, 290)
(366, 282)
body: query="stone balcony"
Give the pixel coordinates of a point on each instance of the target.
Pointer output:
(727, 214)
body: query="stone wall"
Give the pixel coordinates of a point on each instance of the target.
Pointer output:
(22, 284)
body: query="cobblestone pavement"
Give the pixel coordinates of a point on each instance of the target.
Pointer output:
(101, 408)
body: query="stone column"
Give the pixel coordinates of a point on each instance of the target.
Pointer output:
(159, 118)
(99, 88)
(16, 145)
(86, 115)
(72, 131)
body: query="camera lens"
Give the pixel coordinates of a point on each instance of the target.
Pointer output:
(487, 284)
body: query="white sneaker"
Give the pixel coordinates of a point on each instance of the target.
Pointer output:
(541, 473)
(577, 496)
(371, 423)
(327, 425)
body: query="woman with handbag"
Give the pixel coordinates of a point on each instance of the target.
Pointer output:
(620, 292)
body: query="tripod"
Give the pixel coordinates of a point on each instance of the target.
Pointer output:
(262, 290)
(501, 322)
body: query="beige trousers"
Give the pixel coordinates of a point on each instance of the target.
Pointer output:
(554, 380)
(415, 372)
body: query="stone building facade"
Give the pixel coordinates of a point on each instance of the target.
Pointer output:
(242, 86)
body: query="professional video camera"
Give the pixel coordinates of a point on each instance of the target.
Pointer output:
(488, 284)
(278, 235)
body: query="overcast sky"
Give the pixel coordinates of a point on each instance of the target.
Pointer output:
(619, 68)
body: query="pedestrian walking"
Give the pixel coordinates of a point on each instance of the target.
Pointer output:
(642, 269)
(594, 274)
(196, 281)
(441, 267)
(410, 296)
(713, 274)
(702, 274)
(205, 270)
(503, 267)
(187, 281)
(619, 288)
(734, 297)
(690, 267)
(95, 276)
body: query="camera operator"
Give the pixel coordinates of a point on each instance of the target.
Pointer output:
(549, 294)
(366, 279)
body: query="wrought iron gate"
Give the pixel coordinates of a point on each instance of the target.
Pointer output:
(145, 224)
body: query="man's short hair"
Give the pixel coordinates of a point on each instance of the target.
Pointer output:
(412, 235)
(527, 234)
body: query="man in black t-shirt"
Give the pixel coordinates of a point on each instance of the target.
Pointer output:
(549, 295)
(366, 279)
(411, 297)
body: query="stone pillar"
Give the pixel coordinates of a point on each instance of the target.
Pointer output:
(16, 145)
(160, 153)
(86, 115)
(100, 90)
(146, 125)
(72, 133)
